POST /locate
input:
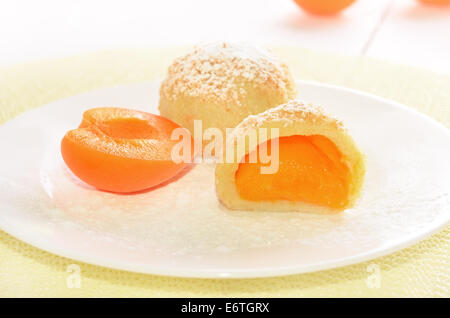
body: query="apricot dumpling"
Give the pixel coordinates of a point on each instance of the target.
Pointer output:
(319, 167)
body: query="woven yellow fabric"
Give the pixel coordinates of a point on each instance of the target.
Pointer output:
(421, 270)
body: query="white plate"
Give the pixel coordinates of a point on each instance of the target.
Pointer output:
(182, 230)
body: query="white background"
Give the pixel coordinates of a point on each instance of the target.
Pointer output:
(403, 31)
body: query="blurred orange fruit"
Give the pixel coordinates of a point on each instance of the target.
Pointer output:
(324, 7)
(436, 2)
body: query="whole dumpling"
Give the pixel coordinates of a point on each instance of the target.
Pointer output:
(222, 83)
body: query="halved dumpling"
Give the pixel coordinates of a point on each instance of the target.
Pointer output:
(319, 169)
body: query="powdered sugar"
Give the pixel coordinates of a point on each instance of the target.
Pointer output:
(220, 72)
(285, 115)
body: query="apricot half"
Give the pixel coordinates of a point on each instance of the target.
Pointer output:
(310, 170)
(121, 150)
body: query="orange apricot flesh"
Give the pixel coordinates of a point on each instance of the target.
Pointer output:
(121, 150)
(311, 170)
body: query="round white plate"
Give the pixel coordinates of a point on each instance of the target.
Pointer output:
(181, 229)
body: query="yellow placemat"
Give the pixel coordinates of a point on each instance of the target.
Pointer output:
(421, 270)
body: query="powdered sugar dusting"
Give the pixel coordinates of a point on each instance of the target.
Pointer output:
(297, 110)
(287, 114)
(220, 72)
